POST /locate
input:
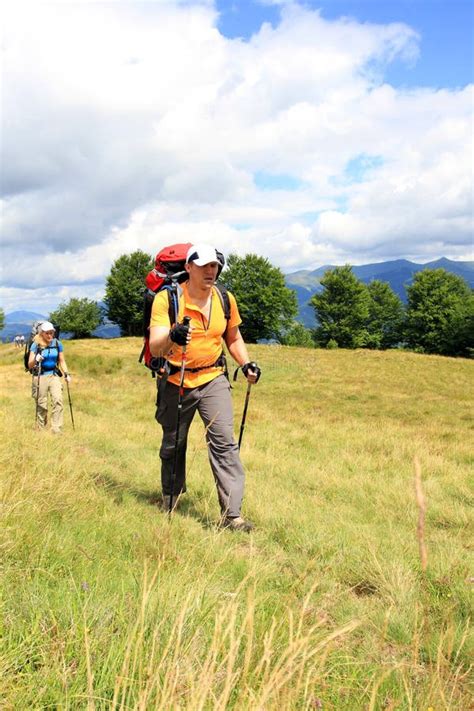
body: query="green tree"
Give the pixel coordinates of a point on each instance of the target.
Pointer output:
(266, 305)
(440, 313)
(386, 316)
(298, 335)
(2, 319)
(79, 316)
(342, 309)
(124, 291)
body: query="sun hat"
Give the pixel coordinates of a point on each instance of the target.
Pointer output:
(202, 254)
(46, 326)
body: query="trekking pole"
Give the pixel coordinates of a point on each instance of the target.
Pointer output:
(244, 414)
(247, 398)
(37, 394)
(186, 321)
(70, 403)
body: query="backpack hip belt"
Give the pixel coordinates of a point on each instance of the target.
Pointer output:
(221, 362)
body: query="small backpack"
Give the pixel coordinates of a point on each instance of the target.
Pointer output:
(33, 333)
(168, 274)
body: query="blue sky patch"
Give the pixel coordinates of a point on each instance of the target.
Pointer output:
(358, 167)
(357, 170)
(444, 28)
(244, 18)
(341, 204)
(309, 218)
(241, 226)
(274, 181)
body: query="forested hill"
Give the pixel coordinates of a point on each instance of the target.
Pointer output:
(398, 273)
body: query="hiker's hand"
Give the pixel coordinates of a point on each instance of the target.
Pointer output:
(251, 371)
(67, 377)
(39, 357)
(181, 334)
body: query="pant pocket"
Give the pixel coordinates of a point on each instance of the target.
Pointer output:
(161, 409)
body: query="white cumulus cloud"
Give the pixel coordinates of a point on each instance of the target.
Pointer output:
(131, 125)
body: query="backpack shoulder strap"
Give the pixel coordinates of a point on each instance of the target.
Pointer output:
(26, 354)
(174, 295)
(223, 295)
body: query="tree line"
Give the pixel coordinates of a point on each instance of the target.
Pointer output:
(438, 316)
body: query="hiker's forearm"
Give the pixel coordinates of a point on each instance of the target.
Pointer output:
(62, 363)
(237, 348)
(160, 342)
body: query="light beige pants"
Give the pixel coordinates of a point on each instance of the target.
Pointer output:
(48, 385)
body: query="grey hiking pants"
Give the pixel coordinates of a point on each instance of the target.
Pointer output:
(214, 404)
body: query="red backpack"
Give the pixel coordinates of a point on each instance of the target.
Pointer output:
(169, 271)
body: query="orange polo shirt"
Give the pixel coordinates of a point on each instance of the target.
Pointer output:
(205, 346)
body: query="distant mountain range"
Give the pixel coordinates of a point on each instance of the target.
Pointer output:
(20, 323)
(398, 273)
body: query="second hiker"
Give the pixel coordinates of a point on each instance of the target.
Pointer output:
(46, 354)
(206, 387)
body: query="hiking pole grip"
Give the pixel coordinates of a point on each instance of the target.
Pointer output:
(186, 322)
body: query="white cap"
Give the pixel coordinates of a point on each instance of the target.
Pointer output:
(46, 326)
(202, 254)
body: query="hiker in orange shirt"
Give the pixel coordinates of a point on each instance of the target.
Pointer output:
(205, 387)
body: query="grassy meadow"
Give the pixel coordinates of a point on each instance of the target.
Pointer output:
(108, 604)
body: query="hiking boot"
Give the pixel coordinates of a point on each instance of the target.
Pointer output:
(165, 502)
(237, 523)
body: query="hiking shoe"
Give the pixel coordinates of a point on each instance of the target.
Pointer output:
(237, 523)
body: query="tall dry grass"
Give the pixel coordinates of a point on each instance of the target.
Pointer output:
(107, 604)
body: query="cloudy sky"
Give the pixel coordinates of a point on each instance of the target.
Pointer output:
(316, 132)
